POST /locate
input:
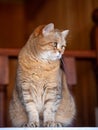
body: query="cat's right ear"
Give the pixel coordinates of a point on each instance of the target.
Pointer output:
(47, 29)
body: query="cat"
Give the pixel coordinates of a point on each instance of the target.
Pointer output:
(41, 96)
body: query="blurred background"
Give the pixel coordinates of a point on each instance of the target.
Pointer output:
(18, 18)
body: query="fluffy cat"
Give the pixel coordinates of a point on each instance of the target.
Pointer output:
(41, 96)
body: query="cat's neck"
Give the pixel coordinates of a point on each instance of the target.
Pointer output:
(39, 59)
(47, 65)
(27, 57)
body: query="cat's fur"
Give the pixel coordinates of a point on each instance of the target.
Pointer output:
(41, 96)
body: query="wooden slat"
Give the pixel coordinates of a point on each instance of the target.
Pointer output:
(96, 39)
(70, 70)
(4, 80)
(81, 53)
(3, 100)
(4, 70)
(9, 51)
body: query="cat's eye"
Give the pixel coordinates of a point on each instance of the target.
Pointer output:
(55, 44)
(63, 47)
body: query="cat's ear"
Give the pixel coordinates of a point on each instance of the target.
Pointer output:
(65, 33)
(47, 29)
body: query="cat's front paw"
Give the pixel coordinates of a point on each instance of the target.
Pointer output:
(52, 124)
(31, 124)
(49, 124)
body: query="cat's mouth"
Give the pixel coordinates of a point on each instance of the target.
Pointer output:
(59, 55)
(51, 56)
(56, 56)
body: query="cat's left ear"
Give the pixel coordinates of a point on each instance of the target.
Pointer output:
(65, 33)
(47, 29)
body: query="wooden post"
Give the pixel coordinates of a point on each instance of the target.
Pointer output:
(94, 42)
(70, 70)
(95, 33)
(4, 74)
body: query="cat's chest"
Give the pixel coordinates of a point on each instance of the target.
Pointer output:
(44, 74)
(38, 72)
(44, 70)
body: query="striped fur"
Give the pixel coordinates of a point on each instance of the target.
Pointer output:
(40, 96)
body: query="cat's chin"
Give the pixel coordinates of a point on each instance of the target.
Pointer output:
(56, 58)
(51, 59)
(59, 57)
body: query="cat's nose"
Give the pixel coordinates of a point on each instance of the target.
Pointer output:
(59, 51)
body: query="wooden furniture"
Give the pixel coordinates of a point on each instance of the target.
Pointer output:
(7, 53)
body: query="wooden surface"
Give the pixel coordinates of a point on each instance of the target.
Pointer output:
(68, 128)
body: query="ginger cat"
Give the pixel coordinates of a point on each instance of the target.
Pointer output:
(41, 96)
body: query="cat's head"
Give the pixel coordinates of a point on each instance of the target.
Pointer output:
(49, 43)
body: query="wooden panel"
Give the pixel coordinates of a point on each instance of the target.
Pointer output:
(70, 70)
(4, 80)
(3, 102)
(4, 70)
(12, 24)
